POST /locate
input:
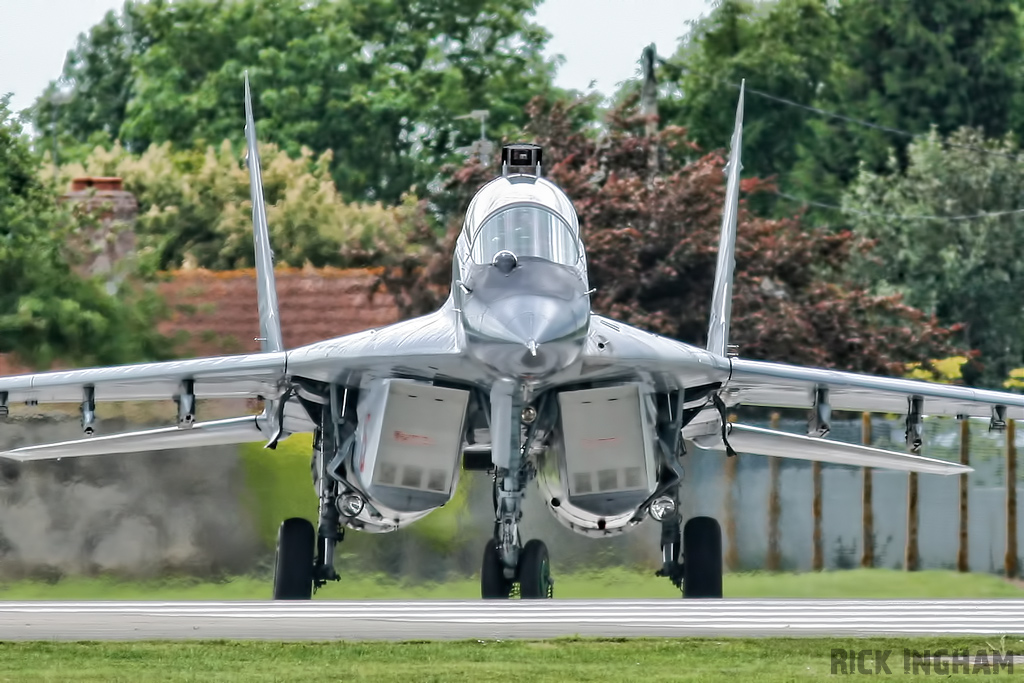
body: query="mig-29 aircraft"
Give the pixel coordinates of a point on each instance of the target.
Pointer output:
(514, 375)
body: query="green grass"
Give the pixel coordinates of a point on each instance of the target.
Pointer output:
(588, 660)
(606, 583)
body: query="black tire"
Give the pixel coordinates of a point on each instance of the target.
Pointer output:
(702, 558)
(534, 571)
(293, 566)
(493, 584)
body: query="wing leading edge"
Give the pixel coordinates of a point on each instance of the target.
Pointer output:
(778, 385)
(240, 376)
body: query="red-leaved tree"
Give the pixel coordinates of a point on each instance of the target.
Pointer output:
(652, 244)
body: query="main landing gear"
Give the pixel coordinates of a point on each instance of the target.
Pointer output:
(305, 557)
(293, 564)
(699, 575)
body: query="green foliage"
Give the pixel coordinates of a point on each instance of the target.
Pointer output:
(440, 529)
(278, 484)
(195, 206)
(48, 313)
(910, 66)
(904, 65)
(379, 84)
(944, 371)
(784, 48)
(964, 271)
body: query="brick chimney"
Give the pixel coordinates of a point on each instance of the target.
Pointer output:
(116, 211)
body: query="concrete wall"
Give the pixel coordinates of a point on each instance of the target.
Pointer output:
(141, 515)
(186, 512)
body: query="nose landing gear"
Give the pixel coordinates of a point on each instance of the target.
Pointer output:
(532, 573)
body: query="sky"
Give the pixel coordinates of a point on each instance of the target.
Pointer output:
(600, 39)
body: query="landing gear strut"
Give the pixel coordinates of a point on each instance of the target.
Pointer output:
(699, 575)
(507, 562)
(671, 544)
(305, 557)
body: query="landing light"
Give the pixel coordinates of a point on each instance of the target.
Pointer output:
(351, 504)
(662, 508)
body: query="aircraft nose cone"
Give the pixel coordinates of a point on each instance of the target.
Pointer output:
(530, 321)
(538, 321)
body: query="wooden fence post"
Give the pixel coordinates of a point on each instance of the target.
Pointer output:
(962, 562)
(732, 555)
(818, 558)
(1010, 563)
(774, 559)
(910, 557)
(867, 557)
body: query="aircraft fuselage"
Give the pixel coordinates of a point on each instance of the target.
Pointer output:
(525, 319)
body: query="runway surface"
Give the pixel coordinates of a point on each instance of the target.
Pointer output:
(395, 620)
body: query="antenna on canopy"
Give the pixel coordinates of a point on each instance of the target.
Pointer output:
(522, 156)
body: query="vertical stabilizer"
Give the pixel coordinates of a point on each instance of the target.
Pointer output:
(266, 290)
(721, 301)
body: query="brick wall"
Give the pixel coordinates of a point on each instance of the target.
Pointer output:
(217, 311)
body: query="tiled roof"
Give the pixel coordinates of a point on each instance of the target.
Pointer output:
(216, 310)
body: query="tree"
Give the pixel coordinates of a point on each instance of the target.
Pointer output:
(909, 66)
(963, 271)
(379, 84)
(784, 48)
(195, 207)
(651, 252)
(48, 313)
(97, 72)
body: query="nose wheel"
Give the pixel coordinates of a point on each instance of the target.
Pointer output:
(532, 573)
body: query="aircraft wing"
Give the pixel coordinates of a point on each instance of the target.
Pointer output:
(239, 376)
(426, 347)
(778, 385)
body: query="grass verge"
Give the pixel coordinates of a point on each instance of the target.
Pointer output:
(567, 659)
(606, 583)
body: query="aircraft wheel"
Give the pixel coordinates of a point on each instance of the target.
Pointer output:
(493, 584)
(534, 571)
(702, 558)
(293, 566)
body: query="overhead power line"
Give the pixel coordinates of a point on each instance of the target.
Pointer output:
(867, 124)
(886, 129)
(896, 216)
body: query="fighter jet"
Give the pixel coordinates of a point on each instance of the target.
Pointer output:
(515, 375)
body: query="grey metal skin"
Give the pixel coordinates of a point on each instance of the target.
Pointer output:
(513, 332)
(528, 322)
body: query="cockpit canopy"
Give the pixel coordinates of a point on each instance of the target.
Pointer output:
(528, 216)
(525, 230)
